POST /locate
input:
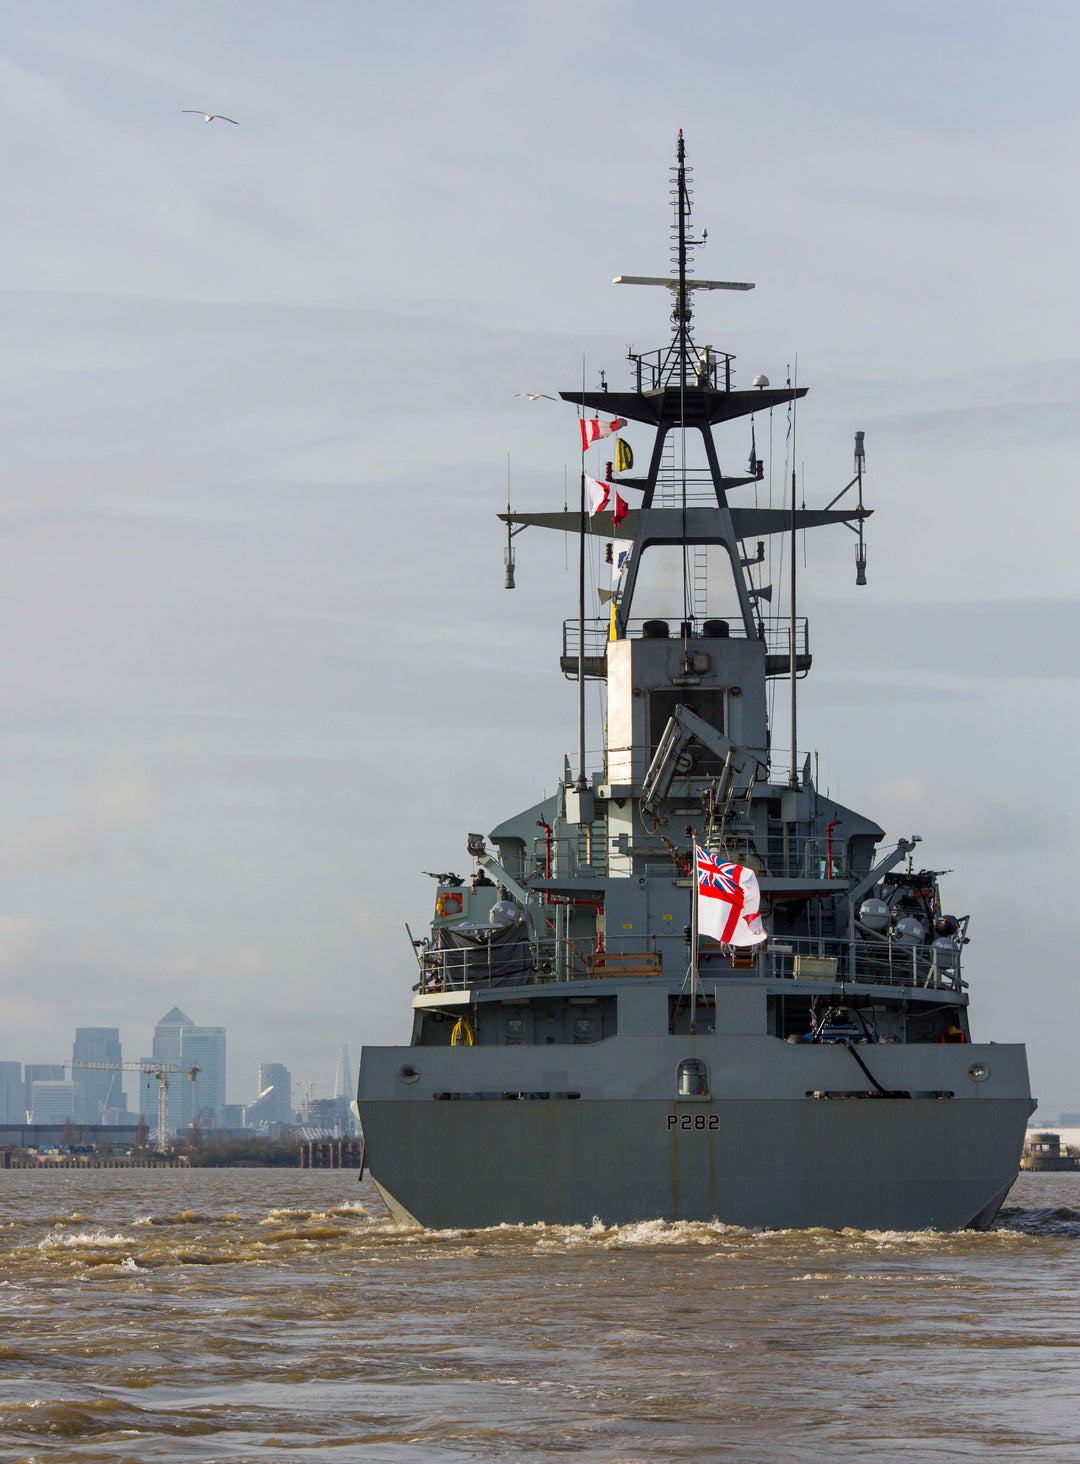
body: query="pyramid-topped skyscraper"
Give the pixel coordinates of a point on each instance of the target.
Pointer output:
(178, 1040)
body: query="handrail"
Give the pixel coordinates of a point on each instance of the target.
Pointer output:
(556, 957)
(774, 630)
(884, 963)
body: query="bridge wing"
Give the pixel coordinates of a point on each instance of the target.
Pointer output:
(664, 406)
(703, 525)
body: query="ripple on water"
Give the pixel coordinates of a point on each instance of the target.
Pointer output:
(291, 1323)
(1045, 1220)
(87, 1419)
(82, 1239)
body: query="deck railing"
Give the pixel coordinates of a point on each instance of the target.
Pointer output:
(550, 957)
(776, 633)
(806, 857)
(809, 857)
(884, 963)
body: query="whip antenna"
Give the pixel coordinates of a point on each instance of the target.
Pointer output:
(508, 556)
(860, 547)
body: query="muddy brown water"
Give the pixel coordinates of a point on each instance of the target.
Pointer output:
(278, 1315)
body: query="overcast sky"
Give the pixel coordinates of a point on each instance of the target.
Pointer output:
(257, 392)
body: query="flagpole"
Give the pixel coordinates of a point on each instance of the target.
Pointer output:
(694, 945)
(581, 783)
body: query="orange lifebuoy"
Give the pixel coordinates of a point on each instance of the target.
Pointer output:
(448, 903)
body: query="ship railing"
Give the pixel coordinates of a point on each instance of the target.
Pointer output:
(809, 856)
(573, 856)
(450, 968)
(666, 365)
(576, 958)
(774, 630)
(884, 963)
(550, 957)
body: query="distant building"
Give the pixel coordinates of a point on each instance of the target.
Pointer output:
(97, 1091)
(1045, 1151)
(52, 1102)
(205, 1046)
(40, 1072)
(178, 1040)
(343, 1083)
(330, 1116)
(167, 1035)
(12, 1093)
(274, 1103)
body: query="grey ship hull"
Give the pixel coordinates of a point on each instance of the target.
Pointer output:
(758, 1152)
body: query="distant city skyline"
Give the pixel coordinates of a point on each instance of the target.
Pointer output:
(93, 1095)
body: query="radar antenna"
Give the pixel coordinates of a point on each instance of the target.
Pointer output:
(676, 363)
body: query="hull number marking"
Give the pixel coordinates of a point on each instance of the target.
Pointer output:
(698, 1121)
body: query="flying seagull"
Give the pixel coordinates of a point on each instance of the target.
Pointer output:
(535, 396)
(209, 116)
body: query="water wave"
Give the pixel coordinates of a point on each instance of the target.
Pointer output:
(273, 1316)
(186, 1217)
(269, 1237)
(1044, 1220)
(80, 1239)
(87, 1418)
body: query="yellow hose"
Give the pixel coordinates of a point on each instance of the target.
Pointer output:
(462, 1035)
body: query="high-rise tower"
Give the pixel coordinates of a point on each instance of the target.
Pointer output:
(97, 1091)
(343, 1083)
(274, 1103)
(12, 1105)
(178, 1040)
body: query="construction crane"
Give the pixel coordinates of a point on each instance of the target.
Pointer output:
(162, 1071)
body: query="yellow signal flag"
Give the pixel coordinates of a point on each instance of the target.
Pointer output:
(624, 458)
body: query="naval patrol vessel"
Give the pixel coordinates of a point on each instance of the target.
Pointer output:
(579, 1049)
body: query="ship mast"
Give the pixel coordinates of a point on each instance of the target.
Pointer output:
(682, 308)
(678, 387)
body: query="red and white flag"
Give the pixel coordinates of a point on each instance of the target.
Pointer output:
(604, 498)
(592, 429)
(729, 901)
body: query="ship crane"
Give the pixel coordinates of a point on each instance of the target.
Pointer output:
(162, 1071)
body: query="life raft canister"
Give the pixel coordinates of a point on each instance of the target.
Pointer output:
(448, 903)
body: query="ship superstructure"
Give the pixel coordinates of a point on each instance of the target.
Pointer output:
(577, 1051)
